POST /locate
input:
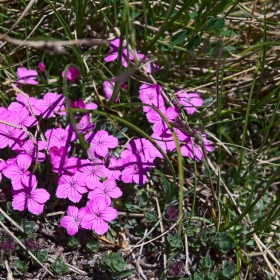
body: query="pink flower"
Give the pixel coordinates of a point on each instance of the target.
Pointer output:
(64, 164)
(73, 219)
(84, 125)
(107, 189)
(58, 137)
(41, 67)
(81, 104)
(149, 66)
(135, 170)
(138, 147)
(165, 141)
(90, 173)
(31, 198)
(50, 104)
(113, 54)
(22, 118)
(100, 142)
(22, 103)
(189, 101)
(160, 125)
(10, 136)
(114, 168)
(108, 88)
(99, 213)
(72, 74)
(29, 149)
(26, 77)
(18, 172)
(70, 187)
(150, 94)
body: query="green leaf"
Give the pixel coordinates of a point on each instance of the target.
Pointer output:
(28, 226)
(206, 263)
(229, 48)
(73, 242)
(212, 275)
(219, 23)
(174, 13)
(194, 14)
(118, 262)
(223, 242)
(122, 274)
(194, 42)
(175, 241)
(150, 216)
(206, 46)
(22, 266)
(58, 267)
(198, 276)
(228, 270)
(92, 246)
(210, 21)
(42, 256)
(179, 37)
(2, 218)
(228, 33)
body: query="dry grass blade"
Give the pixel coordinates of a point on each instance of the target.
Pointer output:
(55, 47)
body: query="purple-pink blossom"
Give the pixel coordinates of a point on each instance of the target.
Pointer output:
(135, 170)
(18, 172)
(149, 65)
(159, 124)
(90, 173)
(31, 198)
(50, 104)
(73, 219)
(58, 137)
(108, 88)
(70, 187)
(29, 148)
(189, 101)
(113, 53)
(100, 142)
(27, 77)
(150, 94)
(22, 102)
(10, 136)
(108, 189)
(139, 148)
(41, 67)
(72, 74)
(98, 214)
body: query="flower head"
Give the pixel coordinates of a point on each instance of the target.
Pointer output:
(113, 54)
(50, 104)
(189, 101)
(31, 198)
(26, 77)
(41, 67)
(108, 88)
(73, 219)
(98, 214)
(150, 94)
(70, 187)
(100, 142)
(107, 189)
(72, 74)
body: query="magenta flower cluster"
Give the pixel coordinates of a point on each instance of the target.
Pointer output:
(97, 174)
